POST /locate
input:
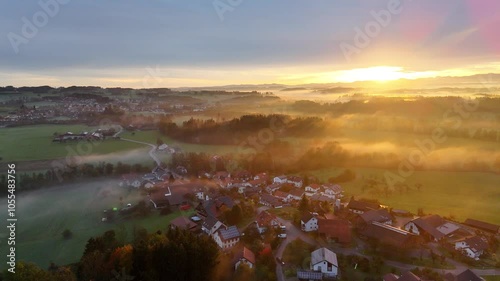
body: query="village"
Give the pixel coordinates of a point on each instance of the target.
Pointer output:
(247, 215)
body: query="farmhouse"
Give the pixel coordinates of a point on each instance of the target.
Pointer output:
(280, 179)
(325, 261)
(431, 227)
(332, 190)
(295, 195)
(215, 207)
(381, 215)
(210, 225)
(466, 275)
(283, 196)
(245, 256)
(295, 180)
(227, 237)
(389, 235)
(312, 189)
(270, 201)
(336, 229)
(360, 207)
(492, 228)
(183, 223)
(265, 220)
(472, 247)
(309, 222)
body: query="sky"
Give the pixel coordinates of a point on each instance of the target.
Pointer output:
(176, 43)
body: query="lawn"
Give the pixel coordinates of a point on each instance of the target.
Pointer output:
(460, 194)
(287, 213)
(29, 143)
(44, 214)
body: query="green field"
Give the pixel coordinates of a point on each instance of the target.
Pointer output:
(44, 214)
(35, 143)
(152, 137)
(463, 195)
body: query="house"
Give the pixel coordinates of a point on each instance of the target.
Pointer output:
(466, 275)
(211, 225)
(215, 207)
(431, 227)
(295, 180)
(270, 201)
(257, 183)
(280, 179)
(472, 247)
(325, 261)
(283, 196)
(222, 175)
(148, 184)
(245, 256)
(336, 229)
(492, 228)
(389, 235)
(265, 220)
(227, 237)
(359, 207)
(273, 187)
(407, 276)
(261, 176)
(131, 180)
(309, 222)
(380, 215)
(332, 190)
(321, 198)
(312, 189)
(242, 175)
(183, 223)
(295, 195)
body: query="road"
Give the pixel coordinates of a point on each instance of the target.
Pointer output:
(151, 152)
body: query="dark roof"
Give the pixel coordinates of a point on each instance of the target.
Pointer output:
(209, 222)
(271, 199)
(482, 225)
(306, 217)
(335, 228)
(477, 243)
(468, 275)
(265, 218)
(362, 205)
(321, 198)
(183, 223)
(229, 233)
(435, 225)
(309, 275)
(381, 215)
(388, 234)
(296, 192)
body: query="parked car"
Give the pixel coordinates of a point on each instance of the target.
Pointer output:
(282, 235)
(280, 261)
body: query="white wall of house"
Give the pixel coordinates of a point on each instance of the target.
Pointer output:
(311, 225)
(411, 227)
(279, 180)
(325, 268)
(243, 261)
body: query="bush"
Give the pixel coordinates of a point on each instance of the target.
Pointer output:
(67, 234)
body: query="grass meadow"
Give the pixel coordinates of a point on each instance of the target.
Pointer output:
(460, 194)
(44, 214)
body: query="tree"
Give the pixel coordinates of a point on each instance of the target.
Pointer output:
(67, 234)
(304, 204)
